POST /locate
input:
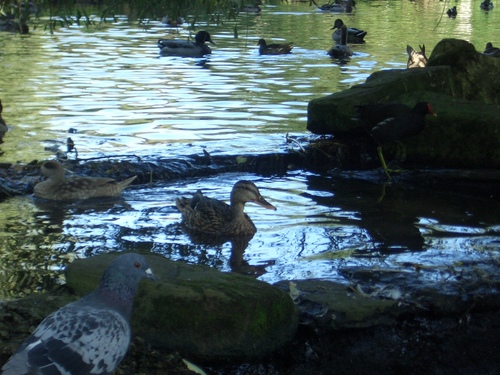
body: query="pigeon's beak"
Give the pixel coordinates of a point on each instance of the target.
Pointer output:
(150, 274)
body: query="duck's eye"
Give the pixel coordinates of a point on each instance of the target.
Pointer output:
(137, 264)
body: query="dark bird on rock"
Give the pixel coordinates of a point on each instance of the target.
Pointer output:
(274, 48)
(88, 336)
(216, 218)
(388, 123)
(416, 59)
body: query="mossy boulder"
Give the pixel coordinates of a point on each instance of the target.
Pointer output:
(204, 314)
(459, 82)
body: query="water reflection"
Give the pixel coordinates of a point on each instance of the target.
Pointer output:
(111, 87)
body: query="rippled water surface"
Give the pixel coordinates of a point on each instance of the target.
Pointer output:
(111, 91)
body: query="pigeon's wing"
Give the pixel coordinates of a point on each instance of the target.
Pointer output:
(76, 339)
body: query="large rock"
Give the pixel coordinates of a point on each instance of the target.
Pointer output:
(461, 85)
(204, 314)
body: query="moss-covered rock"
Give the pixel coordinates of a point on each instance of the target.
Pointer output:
(461, 85)
(205, 314)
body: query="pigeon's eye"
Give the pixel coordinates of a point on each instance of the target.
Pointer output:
(137, 265)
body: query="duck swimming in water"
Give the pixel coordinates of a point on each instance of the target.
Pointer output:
(354, 35)
(216, 218)
(186, 48)
(274, 49)
(58, 187)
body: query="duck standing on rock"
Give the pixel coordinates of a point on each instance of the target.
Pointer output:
(388, 123)
(340, 50)
(58, 187)
(416, 59)
(186, 48)
(491, 51)
(274, 48)
(355, 36)
(216, 218)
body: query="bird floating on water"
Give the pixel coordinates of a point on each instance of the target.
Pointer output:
(58, 187)
(491, 51)
(388, 123)
(216, 218)
(186, 48)
(90, 335)
(486, 5)
(274, 48)
(354, 35)
(416, 59)
(3, 124)
(452, 12)
(341, 50)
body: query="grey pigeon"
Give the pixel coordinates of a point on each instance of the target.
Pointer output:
(88, 336)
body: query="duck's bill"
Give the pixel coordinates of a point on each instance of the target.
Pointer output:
(262, 202)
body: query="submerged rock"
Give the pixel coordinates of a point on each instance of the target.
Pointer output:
(460, 84)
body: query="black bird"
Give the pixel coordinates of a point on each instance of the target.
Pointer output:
(486, 5)
(388, 123)
(452, 13)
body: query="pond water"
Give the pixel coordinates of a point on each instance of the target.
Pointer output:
(111, 91)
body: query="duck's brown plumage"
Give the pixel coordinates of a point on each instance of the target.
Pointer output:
(274, 48)
(213, 217)
(58, 187)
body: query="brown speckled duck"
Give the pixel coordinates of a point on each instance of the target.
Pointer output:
(274, 48)
(58, 187)
(213, 217)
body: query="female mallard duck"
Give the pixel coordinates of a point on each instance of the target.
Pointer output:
(452, 12)
(416, 59)
(3, 125)
(274, 49)
(213, 217)
(486, 5)
(491, 51)
(57, 187)
(186, 48)
(341, 50)
(353, 35)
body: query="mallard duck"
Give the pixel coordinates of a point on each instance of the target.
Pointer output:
(186, 48)
(338, 6)
(452, 13)
(213, 217)
(58, 187)
(486, 5)
(416, 59)
(251, 8)
(491, 51)
(353, 35)
(274, 49)
(3, 125)
(341, 50)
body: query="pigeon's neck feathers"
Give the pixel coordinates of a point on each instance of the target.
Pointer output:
(117, 290)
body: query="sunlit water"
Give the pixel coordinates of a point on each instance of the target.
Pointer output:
(110, 89)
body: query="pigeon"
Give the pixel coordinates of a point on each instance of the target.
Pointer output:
(88, 336)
